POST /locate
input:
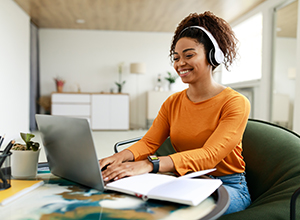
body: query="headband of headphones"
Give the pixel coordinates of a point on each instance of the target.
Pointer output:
(216, 57)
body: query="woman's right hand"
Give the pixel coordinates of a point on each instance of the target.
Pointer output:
(117, 158)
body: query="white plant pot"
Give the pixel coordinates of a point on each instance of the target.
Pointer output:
(24, 164)
(171, 87)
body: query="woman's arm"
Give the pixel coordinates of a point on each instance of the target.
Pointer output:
(117, 170)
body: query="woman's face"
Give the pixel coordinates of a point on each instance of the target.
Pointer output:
(190, 60)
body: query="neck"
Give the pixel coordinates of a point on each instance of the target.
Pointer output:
(204, 90)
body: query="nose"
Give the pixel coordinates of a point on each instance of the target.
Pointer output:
(182, 62)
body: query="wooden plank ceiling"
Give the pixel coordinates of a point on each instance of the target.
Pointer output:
(128, 15)
(286, 20)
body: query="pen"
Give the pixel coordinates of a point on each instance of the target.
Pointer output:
(9, 146)
(6, 151)
(1, 140)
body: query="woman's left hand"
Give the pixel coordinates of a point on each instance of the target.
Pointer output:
(118, 171)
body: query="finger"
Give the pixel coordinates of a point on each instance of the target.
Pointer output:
(110, 176)
(122, 175)
(116, 170)
(110, 172)
(105, 162)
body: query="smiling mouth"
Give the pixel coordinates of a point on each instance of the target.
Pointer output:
(184, 72)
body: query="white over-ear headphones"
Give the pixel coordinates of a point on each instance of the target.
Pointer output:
(216, 56)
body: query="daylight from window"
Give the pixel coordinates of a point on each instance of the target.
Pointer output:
(247, 66)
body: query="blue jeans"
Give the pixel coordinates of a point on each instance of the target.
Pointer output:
(236, 186)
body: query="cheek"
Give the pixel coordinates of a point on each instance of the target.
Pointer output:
(174, 65)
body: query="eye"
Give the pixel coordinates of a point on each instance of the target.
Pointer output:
(189, 55)
(175, 59)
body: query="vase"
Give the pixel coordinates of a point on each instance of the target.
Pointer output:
(59, 88)
(24, 164)
(171, 87)
(119, 89)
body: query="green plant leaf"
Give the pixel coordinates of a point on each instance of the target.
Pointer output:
(35, 146)
(171, 78)
(26, 137)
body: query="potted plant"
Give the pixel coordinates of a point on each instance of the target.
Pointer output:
(120, 83)
(59, 84)
(171, 78)
(25, 157)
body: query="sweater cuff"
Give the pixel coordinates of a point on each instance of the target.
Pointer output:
(179, 165)
(136, 155)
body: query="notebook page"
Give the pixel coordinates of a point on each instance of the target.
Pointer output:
(140, 184)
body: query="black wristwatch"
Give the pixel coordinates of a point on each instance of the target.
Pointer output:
(155, 161)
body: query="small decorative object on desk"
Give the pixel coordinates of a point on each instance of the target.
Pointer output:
(158, 86)
(171, 78)
(5, 170)
(59, 84)
(120, 83)
(25, 158)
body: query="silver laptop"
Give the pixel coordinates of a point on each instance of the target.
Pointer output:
(70, 149)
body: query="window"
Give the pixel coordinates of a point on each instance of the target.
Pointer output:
(248, 63)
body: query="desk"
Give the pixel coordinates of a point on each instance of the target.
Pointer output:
(61, 199)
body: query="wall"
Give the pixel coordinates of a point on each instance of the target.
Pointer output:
(14, 69)
(297, 92)
(263, 87)
(285, 59)
(89, 59)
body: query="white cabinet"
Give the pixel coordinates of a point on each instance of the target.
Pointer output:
(104, 111)
(75, 105)
(110, 112)
(154, 101)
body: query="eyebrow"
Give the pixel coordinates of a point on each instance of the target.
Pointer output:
(185, 50)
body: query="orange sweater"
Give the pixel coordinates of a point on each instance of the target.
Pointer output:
(205, 135)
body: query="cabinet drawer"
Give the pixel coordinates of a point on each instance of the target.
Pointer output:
(71, 98)
(71, 109)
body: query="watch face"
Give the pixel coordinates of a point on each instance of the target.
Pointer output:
(153, 157)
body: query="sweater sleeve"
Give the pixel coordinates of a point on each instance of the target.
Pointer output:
(223, 143)
(154, 138)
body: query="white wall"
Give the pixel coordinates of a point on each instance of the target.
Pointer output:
(296, 123)
(262, 88)
(90, 59)
(14, 69)
(285, 60)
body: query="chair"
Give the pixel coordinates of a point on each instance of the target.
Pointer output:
(272, 156)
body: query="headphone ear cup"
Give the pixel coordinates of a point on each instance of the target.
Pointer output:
(211, 57)
(215, 57)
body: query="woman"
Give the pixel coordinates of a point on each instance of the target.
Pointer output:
(205, 122)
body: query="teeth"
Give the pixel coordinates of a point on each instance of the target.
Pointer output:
(184, 72)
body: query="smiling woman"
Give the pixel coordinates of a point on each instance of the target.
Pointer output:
(205, 122)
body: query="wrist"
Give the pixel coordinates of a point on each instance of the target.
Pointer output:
(155, 163)
(127, 155)
(149, 165)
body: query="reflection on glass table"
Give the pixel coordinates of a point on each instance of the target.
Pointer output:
(62, 199)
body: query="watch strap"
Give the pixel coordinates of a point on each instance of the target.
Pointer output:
(155, 161)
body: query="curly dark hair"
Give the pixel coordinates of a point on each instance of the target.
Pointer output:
(218, 27)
